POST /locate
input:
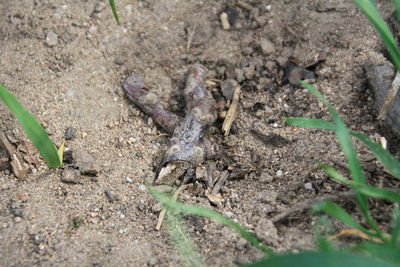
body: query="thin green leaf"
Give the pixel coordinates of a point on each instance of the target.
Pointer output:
(394, 241)
(32, 128)
(334, 210)
(182, 243)
(310, 123)
(379, 251)
(114, 10)
(325, 259)
(365, 189)
(198, 211)
(371, 12)
(343, 136)
(384, 156)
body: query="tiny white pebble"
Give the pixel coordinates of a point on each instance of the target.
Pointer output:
(268, 7)
(228, 214)
(142, 187)
(275, 125)
(17, 219)
(279, 173)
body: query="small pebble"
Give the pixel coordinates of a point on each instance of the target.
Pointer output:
(142, 188)
(140, 206)
(156, 208)
(265, 177)
(231, 140)
(69, 133)
(267, 46)
(71, 176)
(308, 186)
(110, 195)
(241, 243)
(279, 173)
(17, 219)
(128, 180)
(85, 162)
(227, 88)
(51, 39)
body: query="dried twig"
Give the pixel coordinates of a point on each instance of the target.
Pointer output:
(16, 162)
(244, 5)
(300, 207)
(231, 115)
(224, 21)
(188, 146)
(164, 210)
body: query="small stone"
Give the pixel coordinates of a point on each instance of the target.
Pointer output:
(265, 177)
(85, 162)
(239, 75)
(110, 195)
(128, 180)
(231, 140)
(227, 88)
(69, 133)
(68, 156)
(269, 197)
(51, 39)
(308, 186)
(142, 188)
(140, 206)
(241, 243)
(70, 176)
(228, 214)
(279, 173)
(156, 208)
(267, 231)
(267, 46)
(17, 219)
(92, 29)
(17, 212)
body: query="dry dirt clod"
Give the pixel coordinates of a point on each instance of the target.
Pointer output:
(51, 39)
(71, 176)
(227, 87)
(85, 162)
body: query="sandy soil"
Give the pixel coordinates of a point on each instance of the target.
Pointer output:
(66, 61)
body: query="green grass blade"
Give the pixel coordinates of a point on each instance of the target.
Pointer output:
(371, 12)
(379, 251)
(182, 243)
(365, 189)
(310, 123)
(337, 212)
(198, 211)
(384, 156)
(325, 259)
(394, 241)
(32, 128)
(397, 11)
(114, 10)
(343, 136)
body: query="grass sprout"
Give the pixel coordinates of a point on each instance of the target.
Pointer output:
(32, 128)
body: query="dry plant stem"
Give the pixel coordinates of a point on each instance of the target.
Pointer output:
(164, 210)
(149, 103)
(231, 115)
(218, 185)
(300, 207)
(188, 147)
(390, 97)
(188, 143)
(16, 163)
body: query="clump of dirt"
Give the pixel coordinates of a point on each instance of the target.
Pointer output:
(66, 62)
